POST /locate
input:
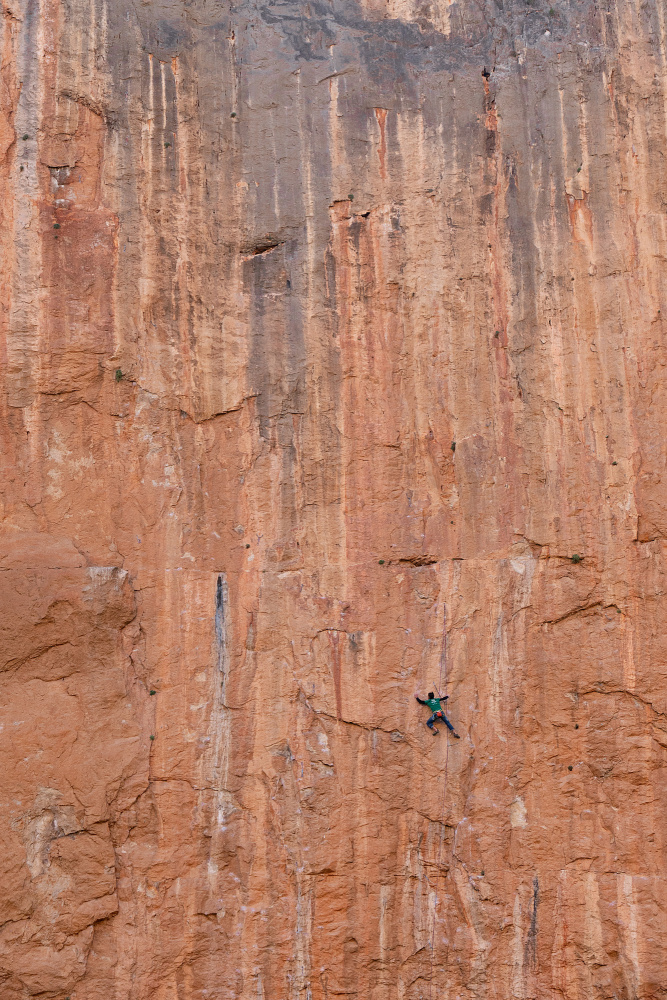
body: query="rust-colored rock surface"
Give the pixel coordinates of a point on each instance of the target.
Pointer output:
(333, 369)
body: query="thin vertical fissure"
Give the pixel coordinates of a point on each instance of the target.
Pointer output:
(220, 725)
(221, 646)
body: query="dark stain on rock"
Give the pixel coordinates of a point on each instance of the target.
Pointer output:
(530, 949)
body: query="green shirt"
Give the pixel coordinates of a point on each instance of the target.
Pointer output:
(433, 704)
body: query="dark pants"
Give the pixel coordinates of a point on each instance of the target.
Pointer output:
(439, 717)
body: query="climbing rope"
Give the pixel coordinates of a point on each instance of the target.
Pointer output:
(443, 680)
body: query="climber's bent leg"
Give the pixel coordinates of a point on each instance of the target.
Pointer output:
(450, 726)
(431, 720)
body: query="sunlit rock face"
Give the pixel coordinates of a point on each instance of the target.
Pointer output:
(333, 371)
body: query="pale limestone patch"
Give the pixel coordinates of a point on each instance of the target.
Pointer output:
(518, 816)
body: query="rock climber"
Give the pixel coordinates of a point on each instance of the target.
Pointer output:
(438, 715)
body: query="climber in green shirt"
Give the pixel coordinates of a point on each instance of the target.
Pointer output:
(438, 715)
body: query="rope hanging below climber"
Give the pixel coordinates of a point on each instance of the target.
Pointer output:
(435, 704)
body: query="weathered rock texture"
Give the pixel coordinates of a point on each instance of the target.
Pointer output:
(330, 330)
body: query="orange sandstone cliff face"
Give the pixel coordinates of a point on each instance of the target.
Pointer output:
(330, 333)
